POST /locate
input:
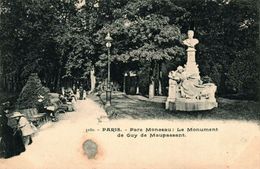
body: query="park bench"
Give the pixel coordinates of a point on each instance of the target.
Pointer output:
(36, 118)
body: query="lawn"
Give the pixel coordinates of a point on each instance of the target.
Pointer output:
(139, 107)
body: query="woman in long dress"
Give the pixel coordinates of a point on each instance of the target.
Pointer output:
(11, 143)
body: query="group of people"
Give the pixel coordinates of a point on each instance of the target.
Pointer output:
(80, 93)
(16, 130)
(13, 140)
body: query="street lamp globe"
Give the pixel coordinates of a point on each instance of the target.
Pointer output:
(96, 4)
(108, 39)
(108, 44)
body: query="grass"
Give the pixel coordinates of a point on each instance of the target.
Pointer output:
(124, 106)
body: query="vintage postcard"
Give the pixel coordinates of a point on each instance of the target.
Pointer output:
(140, 84)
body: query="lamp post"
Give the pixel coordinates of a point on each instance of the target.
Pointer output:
(108, 91)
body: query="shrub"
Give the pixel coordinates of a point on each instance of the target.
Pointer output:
(242, 76)
(28, 97)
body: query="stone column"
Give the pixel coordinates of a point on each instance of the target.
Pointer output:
(191, 66)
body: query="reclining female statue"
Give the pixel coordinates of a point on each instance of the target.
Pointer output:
(190, 87)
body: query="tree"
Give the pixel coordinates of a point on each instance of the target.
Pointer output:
(145, 32)
(30, 30)
(77, 43)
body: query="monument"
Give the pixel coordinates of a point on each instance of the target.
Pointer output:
(187, 92)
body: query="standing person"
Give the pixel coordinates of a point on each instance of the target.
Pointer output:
(24, 125)
(81, 93)
(40, 104)
(6, 137)
(77, 94)
(84, 95)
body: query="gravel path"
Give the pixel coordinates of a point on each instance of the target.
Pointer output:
(59, 145)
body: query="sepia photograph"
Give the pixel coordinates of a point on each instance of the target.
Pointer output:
(129, 84)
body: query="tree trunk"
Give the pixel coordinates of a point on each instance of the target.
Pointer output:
(151, 85)
(159, 87)
(124, 83)
(58, 80)
(137, 84)
(159, 79)
(92, 79)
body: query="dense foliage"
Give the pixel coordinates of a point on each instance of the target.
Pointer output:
(29, 38)
(62, 41)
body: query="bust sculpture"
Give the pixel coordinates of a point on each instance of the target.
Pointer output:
(191, 42)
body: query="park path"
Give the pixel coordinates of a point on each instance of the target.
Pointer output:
(59, 145)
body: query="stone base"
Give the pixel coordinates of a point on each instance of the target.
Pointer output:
(168, 101)
(183, 104)
(171, 106)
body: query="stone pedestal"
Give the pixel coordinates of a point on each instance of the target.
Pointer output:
(191, 66)
(151, 89)
(183, 104)
(171, 94)
(171, 105)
